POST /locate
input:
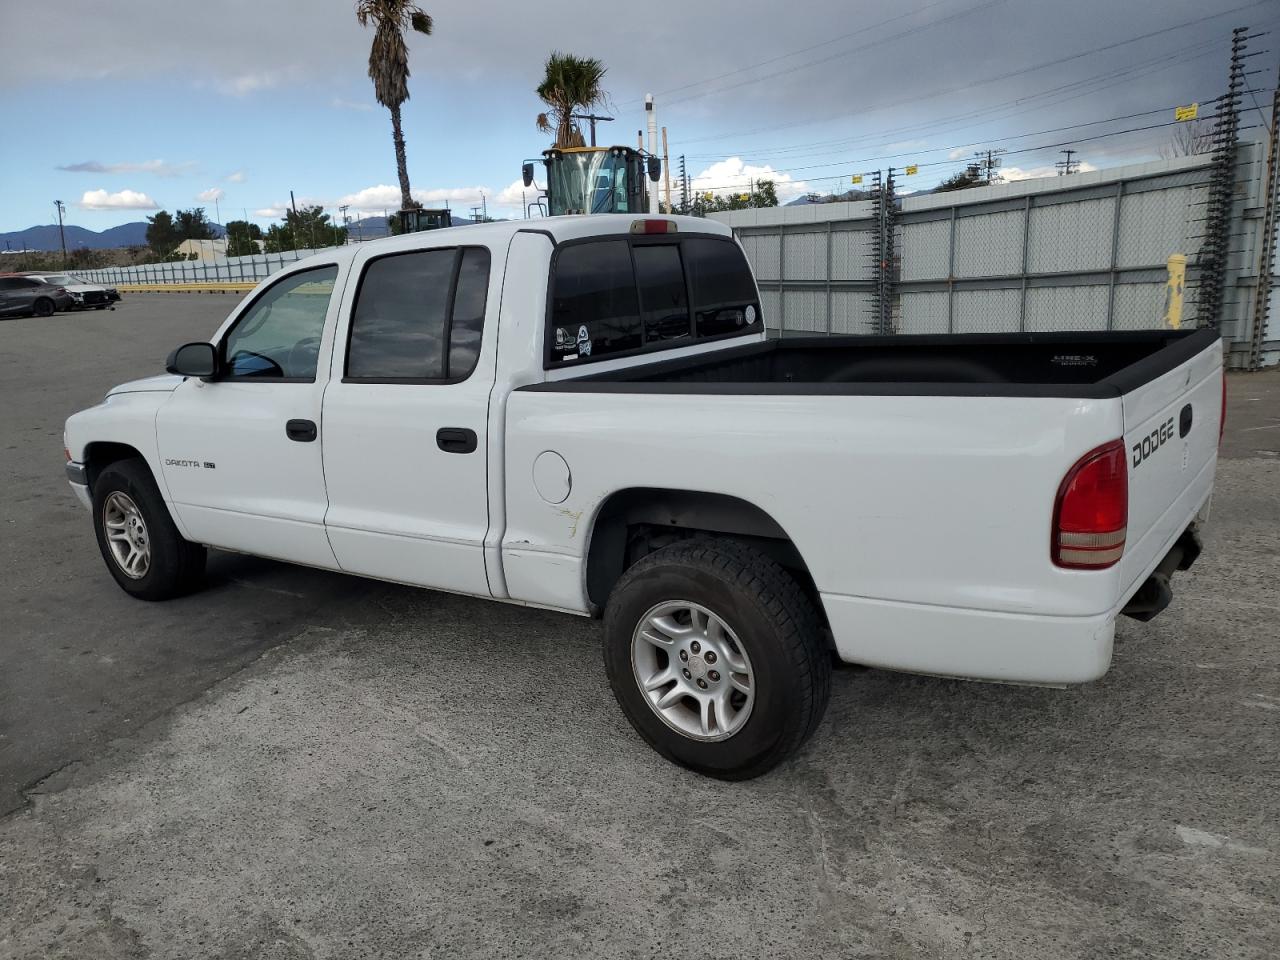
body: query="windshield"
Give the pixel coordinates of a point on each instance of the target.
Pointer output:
(61, 279)
(588, 182)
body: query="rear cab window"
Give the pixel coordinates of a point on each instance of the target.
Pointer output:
(619, 296)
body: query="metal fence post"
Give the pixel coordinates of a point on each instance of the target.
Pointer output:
(1026, 261)
(951, 271)
(782, 272)
(829, 261)
(1115, 256)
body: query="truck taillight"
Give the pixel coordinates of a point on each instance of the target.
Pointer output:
(1091, 513)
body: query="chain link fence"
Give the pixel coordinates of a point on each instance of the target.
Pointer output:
(249, 269)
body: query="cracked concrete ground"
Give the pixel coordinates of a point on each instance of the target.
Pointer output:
(357, 769)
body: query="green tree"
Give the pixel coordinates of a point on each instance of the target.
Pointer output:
(389, 65)
(309, 229)
(242, 237)
(192, 225)
(162, 236)
(765, 194)
(970, 176)
(569, 84)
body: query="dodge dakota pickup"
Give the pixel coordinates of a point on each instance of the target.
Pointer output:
(585, 414)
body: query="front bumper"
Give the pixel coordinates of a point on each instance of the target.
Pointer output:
(79, 480)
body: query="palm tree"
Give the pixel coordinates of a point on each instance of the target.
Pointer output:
(571, 83)
(389, 66)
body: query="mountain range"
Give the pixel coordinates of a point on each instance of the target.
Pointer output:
(45, 237)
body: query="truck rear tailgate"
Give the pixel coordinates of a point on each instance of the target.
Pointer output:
(1171, 427)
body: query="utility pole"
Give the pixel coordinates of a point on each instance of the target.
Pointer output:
(294, 204)
(484, 201)
(61, 235)
(342, 211)
(666, 169)
(592, 118)
(989, 163)
(1068, 166)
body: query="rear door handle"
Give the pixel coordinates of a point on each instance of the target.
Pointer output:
(456, 440)
(304, 431)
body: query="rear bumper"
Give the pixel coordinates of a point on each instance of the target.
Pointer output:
(975, 644)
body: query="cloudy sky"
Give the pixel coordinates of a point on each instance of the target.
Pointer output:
(121, 108)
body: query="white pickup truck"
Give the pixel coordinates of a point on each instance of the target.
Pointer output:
(585, 414)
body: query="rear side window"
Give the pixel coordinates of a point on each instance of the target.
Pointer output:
(594, 310)
(612, 297)
(419, 316)
(722, 287)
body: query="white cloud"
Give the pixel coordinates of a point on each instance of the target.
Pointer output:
(731, 175)
(270, 213)
(251, 81)
(212, 195)
(338, 103)
(238, 177)
(1011, 174)
(959, 153)
(373, 201)
(123, 200)
(159, 168)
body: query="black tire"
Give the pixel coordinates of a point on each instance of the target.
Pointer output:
(775, 624)
(43, 307)
(177, 565)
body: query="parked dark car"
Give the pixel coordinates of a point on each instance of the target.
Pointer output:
(20, 296)
(84, 294)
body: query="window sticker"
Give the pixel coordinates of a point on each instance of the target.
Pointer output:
(584, 341)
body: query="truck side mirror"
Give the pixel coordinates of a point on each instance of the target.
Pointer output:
(527, 171)
(655, 168)
(198, 359)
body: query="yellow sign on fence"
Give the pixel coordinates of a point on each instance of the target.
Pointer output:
(1173, 291)
(856, 178)
(1189, 112)
(912, 169)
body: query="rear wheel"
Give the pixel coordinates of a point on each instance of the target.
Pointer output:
(715, 656)
(43, 307)
(140, 544)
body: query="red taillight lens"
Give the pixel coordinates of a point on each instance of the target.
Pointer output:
(1091, 513)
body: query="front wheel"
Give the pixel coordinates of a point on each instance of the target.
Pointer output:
(715, 656)
(142, 547)
(44, 307)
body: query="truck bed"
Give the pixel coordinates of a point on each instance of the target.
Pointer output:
(1088, 365)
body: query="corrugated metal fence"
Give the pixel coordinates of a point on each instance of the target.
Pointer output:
(1085, 252)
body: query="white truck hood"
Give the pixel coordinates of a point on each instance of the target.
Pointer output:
(83, 287)
(161, 383)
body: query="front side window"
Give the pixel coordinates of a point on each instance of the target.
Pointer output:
(419, 316)
(278, 337)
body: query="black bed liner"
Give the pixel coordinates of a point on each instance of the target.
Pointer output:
(1086, 365)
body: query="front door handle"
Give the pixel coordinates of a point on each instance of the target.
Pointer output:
(456, 440)
(304, 431)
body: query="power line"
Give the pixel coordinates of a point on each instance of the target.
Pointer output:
(795, 53)
(995, 79)
(1163, 62)
(856, 164)
(910, 32)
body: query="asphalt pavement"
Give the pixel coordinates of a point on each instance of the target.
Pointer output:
(293, 763)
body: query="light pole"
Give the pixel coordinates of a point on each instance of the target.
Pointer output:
(62, 237)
